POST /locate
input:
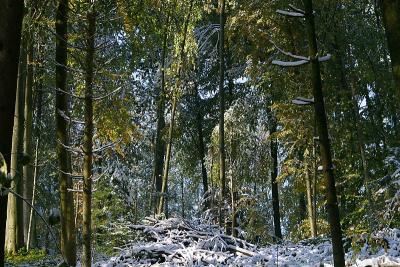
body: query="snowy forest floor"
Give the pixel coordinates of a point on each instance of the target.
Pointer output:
(177, 242)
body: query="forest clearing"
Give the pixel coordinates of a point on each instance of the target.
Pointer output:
(199, 133)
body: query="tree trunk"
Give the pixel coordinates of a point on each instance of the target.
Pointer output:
(325, 146)
(164, 190)
(159, 150)
(88, 143)
(222, 174)
(274, 183)
(11, 13)
(201, 150)
(182, 198)
(28, 169)
(302, 208)
(31, 223)
(310, 206)
(38, 106)
(15, 234)
(391, 21)
(68, 241)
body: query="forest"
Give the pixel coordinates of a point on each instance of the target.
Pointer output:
(199, 133)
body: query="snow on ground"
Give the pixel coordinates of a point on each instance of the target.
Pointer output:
(177, 242)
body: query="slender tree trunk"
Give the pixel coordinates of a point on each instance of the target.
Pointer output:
(274, 183)
(88, 142)
(15, 234)
(222, 172)
(314, 178)
(159, 150)
(310, 206)
(28, 169)
(31, 223)
(164, 188)
(201, 150)
(11, 13)
(38, 107)
(391, 21)
(325, 146)
(234, 210)
(302, 208)
(183, 198)
(68, 241)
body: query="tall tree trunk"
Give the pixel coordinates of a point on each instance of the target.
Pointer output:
(182, 197)
(274, 183)
(11, 14)
(38, 107)
(28, 169)
(159, 150)
(222, 173)
(88, 142)
(31, 235)
(310, 206)
(325, 146)
(164, 188)
(68, 241)
(15, 234)
(200, 144)
(391, 21)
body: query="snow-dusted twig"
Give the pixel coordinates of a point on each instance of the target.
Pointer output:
(107, 95)
(67, 118)
(109, 145)
(288, 53)
(290, 13)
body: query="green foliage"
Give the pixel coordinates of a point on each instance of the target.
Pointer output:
(109, 214)
(26, 257)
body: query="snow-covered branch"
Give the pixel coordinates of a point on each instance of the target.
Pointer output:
(289, 63)
(290, 13)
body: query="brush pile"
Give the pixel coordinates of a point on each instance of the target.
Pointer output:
(178, 242)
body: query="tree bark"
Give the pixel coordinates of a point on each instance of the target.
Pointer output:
(325, 146)
(274, 183)
(11, 14)
(164, 188)
(15, 234)
(31, 235)
(159, 150)
(68, 241)
(201, 150)
(310, 206)
(391, 21)
(222, 172)
(28, 169)
(88, 142)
